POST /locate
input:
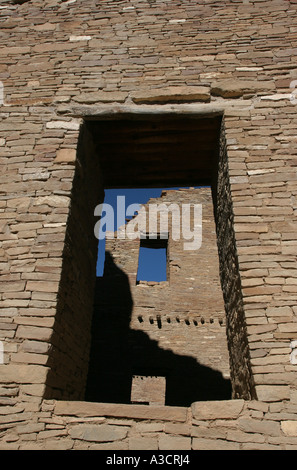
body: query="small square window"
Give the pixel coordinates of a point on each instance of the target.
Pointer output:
(152, 263)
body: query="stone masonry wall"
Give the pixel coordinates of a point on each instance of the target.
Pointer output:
(61, 62)
(240, 366)
(71, 339)
(224, 425)
(174, 328)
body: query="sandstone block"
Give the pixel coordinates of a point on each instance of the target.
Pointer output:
(270, 393)
(236, 88)
(52, 201)
(144, 427)
(42, 286)
(85, 409)
(29, 358)
(115, 445)
(37, 347)
(32, 332)
(12, 286)
(67, 125)
(174, 442)
(38, 321)
(65, 156)
(288, 328)
(289, 428)
(172, 94)
(213, 444)
(240, 436)
(98, 433)
(270, 428)
(143, 443)
(178, 429)
(30, 428)
(101, 97)
(217, 409)
(52, 433)
(279, 311)
(23, 374)
(36, 390)
(58, 444)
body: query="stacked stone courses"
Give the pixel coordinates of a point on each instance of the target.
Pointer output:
(63, 63)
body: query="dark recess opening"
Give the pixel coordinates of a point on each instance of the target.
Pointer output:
(157, 151)
(147, 152)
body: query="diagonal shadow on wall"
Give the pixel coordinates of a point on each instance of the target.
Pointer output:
(118, 353)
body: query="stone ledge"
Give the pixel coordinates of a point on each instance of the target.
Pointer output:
(223, 409)
(90, 409)
(172, 95)
(116, 111)
(236, 88)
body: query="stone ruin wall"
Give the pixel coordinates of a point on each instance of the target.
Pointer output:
(63, 61)
(175, 327)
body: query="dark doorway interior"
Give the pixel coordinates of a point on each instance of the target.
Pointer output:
(159, 152)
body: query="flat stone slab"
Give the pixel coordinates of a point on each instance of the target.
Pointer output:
(98, 433)
(270, 393)
(65, 156)
(289, 427)
(225, 409)
(235, 88)
(23, 373)
(172, 94)
(89, 409)
(101, 96)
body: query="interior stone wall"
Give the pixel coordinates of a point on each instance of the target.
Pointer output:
(70, 342)
(240, 365)
(175, 328)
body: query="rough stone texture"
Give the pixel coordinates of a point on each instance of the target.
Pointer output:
(174, 329)
(237, 88)
(218, 409)
(240, 368)
(172, 94)
(73, 63)
(149, 390)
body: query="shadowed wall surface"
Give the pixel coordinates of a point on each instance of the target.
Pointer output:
(174, 329)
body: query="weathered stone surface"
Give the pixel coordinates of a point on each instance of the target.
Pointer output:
(272, 393)
(116, 445)
(217, 409)
(101, 97)
(34, 332)
(289, 428)
(235, 88)
(42, 286)
(30, 428)
(270, 428)
(26, 374)
(52, 201)
(65, 156)
(172, 94)
(143, 443)
(85, 409)
(58, 444)
(67, 125)
(213, 444)
(98, 433)
(167, 442)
